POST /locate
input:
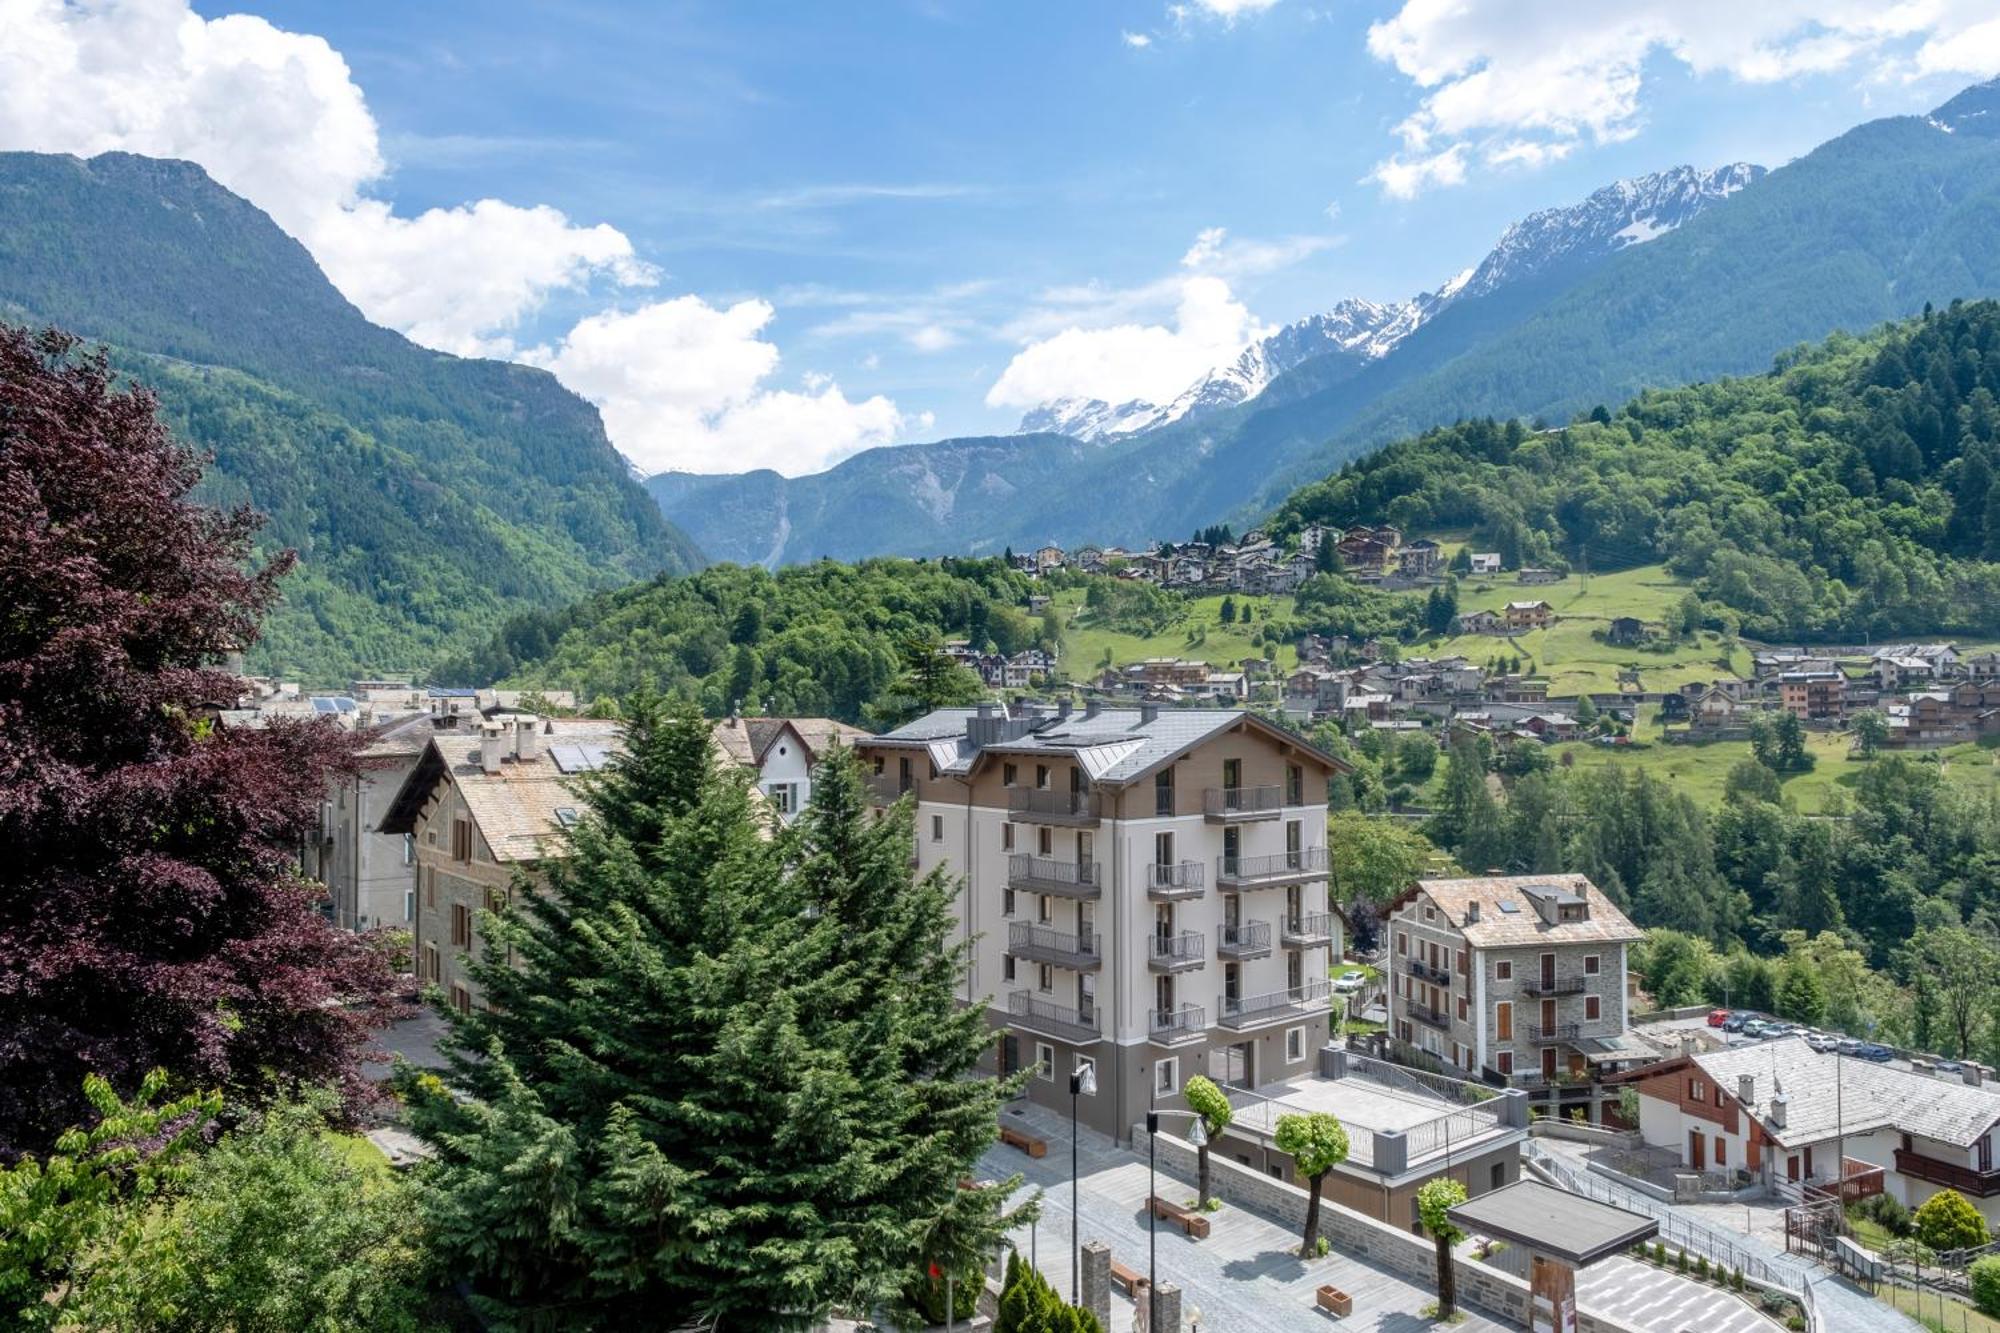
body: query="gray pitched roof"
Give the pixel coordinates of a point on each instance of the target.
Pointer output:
(1833, 1094)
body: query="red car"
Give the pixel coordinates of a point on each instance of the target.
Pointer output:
(1717, 1017)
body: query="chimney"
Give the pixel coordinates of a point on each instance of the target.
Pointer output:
(1062, 709)
(1091, 708)
(1779, 1103)
(1148, 713)
(489, 747)
(527, 739)
(1970, 1074)
(1746, 1089)
(1472, 913)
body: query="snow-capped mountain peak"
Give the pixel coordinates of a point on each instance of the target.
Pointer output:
(1622, 214)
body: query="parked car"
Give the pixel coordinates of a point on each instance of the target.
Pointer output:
(1851, 1045)
(1875, 1051)
(1756, 1027)
(1735, 1022)
(1822, 1041)
(1717, 1017)
(1350, 981)
(1948, 1067)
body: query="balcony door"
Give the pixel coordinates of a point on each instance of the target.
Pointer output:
(1163, 995)
(1295, 903)
(1163, 849)
(1295, 969)
(1083, 847)
(1548, 971)
(1232, 774)
(1239, 1065)
(1549, 1064)
(1548, 1019)
(1086, 997)
(1086, 925)
(1163, 921)
(1232, 847)
(1232, 914)
(1294, 844)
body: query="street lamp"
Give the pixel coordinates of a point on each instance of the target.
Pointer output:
(1082, 1083)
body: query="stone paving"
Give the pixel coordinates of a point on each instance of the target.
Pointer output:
(1246, 1276)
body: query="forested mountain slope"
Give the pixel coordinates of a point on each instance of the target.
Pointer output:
(428, 495)
(1849, 491)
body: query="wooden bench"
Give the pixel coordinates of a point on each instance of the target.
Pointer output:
(1187, 1219)
(1026, 1142)
(1334, 1301)
(1123, 1278)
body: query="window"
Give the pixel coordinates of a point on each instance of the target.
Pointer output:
(1695, 1090)
(1505, 1063)
(495, 899)
(1007, 967)
(1464, 963)
(1045, 841)
(1045, 978)
(1590, 965)
(1503, 970)
(1006, 837)
(409, 849)
(1163, 792)
(1084, 1062)
(1041, 777)
(1503, 1021)
(784, 798)
(409, 904)
(1008, 772)
(1430, 913)
(1163, 849)
(1499, 1176)
(1045, 909)
(461, 926)
(1721, 1151)
(1006, 902)
(461, 840)
(1592, 1008)
(461, 998)
(1462, 1012)
(1402, 943)
(937, 828)
(1295, 1045)
(1045, 1062)
(430, 962)
(1295, 785)
(1167, 1076)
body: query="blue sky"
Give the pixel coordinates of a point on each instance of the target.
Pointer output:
(764, 234)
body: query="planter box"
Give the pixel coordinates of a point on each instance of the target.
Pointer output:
(1333, 1300)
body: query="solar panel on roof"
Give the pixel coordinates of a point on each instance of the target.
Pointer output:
(597, 756)
(569, 758)
(1509, 905)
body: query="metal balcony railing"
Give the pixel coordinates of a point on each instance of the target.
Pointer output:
(1554, 1032)
(1043, 874)
(884, 788)
(1557, 985)
(1260, 872)
(1174, 953)
(1307, 930)
(1422, 971)
(1245, 939)
(1275, 1006)
(1424, 1013)
(1228, 805)
(1031, 1010)
(1045, 944)
(1171, 1027)
(1181, 879)
(1038, 806)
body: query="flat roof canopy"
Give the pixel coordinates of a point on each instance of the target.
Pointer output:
(1553, 1222)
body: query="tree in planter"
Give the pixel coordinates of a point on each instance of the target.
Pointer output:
(1317, 1143)
(1209, 1102)
(1946, 1221)
(151, 911)
(1435, 1200)
(728, 1076)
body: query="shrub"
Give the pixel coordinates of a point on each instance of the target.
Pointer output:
(1947, 1222)
(1736, 1279)
(1660, 1253)
(1701, 1266)
(1985, 1278)
(1886, 1212)
(1681, 1261)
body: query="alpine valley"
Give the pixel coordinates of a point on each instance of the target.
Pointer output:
(1681, 275)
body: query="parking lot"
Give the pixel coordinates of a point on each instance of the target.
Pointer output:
(1827, 1040)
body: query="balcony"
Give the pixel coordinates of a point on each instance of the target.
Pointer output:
(1042, 874)
(1176, 953)
(1177, 1027)
(1542, 1036)
(1313, 930)
(885, 788)
(1240, 805)
(1423, 1013)
(1171, 883)
(1044, 944)
(1031, 805)
(1966, 1180)
(1422, 971)
(1270, 872)
(1278, 1006)
(1558, 985)
(1244, 940)
(1038, 1013)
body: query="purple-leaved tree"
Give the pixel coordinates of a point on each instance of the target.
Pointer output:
(150, 909)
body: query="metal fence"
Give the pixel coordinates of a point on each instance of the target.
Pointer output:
(1676, 1231)
(1461, 1127)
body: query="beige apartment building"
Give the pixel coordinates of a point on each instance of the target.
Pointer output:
(1519, 980)
(1146, 891)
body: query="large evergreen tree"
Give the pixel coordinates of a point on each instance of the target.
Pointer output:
(151, 915)
(726, 1074)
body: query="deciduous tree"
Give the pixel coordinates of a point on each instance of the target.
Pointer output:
(1435, 1200)
(1317, 1143)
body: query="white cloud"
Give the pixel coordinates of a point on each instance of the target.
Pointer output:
(682, 384)
(1138, 41)
(1524, 81)
(1226, 10)
(277, 117)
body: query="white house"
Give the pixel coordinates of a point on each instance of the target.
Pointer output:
(783, 751)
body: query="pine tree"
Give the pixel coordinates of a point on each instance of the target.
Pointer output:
(725, 1075)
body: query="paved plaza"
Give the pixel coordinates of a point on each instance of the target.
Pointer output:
(1246, 1278)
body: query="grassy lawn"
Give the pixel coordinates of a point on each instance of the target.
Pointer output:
(360, 1153)
(1924, 1308)
(1220, 645)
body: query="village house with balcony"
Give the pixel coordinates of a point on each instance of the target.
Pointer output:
(1146, 890)
(1519, 980)
(1808, 1122)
